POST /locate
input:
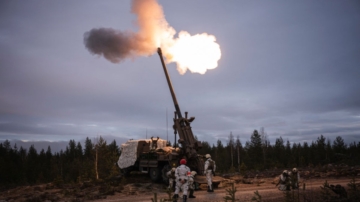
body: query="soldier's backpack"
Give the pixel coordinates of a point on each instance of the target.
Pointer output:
(211, 164)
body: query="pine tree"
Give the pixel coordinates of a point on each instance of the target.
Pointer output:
(88, 170)
(32, 167)
(103, 161)
(231, 149)
(288, 156)
(264, 144)
(339, 149)
(114, 153)
(279, 151)
(320, 150)
(47, 165)
(239, 150)
(306, 154)
(221, 156)
(206, 149)
(255, 150)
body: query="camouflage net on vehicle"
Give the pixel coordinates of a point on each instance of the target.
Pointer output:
(129, 151)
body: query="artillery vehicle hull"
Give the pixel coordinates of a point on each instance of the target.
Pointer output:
(148, 156)
(155, 156)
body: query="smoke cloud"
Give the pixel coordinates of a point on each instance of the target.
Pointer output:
(197, 53)
(116, 45)
(113, 45)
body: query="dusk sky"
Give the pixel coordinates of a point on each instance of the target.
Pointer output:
(291, 67)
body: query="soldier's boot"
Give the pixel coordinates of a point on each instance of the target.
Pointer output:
(192, 194)
(175, 197)
(210, 189)
(184, 198)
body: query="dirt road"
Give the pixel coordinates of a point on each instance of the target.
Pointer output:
(245, 192)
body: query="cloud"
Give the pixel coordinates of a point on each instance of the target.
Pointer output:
(295, 75)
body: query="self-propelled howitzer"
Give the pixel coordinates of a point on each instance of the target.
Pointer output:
(155, 156)
(189, 145)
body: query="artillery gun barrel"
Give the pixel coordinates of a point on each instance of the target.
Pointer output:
(189, 145)
(169, 84)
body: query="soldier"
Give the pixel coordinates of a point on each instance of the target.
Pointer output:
(295, 178)
(171, 176)
(154, 143)
(182, 174)
(209, 171)
(192, 184)
(284, 181)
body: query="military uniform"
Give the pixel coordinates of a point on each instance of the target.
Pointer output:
(209, 171)
(192, 184)
(284, 181)
(182, 174)
(171, 176)
(295, 178)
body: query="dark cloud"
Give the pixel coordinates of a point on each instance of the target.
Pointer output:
(113, 45)
(290, 67)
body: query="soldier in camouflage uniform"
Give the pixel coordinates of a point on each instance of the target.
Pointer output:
(295, 178)
(209, 171)
(192, 184)
(171, 176)
(284, 181)
(182, 174)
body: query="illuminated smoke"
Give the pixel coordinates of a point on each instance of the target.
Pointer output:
(197, 53)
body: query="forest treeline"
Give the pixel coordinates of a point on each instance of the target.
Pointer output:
(96, 160)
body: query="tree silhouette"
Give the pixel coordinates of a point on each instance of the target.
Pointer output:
(77, 163)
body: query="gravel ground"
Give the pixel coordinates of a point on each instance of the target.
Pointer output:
(245, 192)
